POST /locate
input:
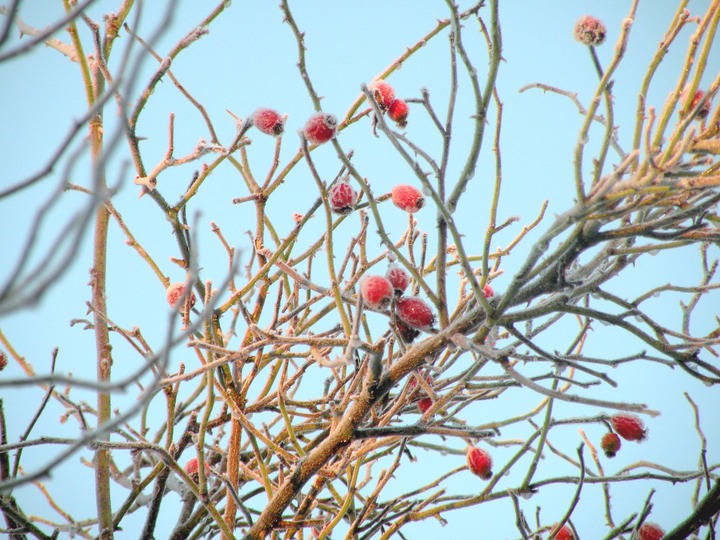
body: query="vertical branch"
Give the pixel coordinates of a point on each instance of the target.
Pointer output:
(94, 82)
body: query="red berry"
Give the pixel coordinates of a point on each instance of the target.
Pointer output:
(610, 444)
(414, 388)
(590, 31)
(398, 277)
(629, 427)
(414, 312)
(565, 533)
(407, 198)
(488, 291)
(414, 385)
(383, 92)
(479, 462)
(407, 333)
(376, 292)
(342, 198)
(320, 128)
(176, 291)
(649, 531)
(705, 110)
(192, 468)
(424, 404)
(398, 112)
(268, 121)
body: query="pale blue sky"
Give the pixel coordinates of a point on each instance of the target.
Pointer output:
(248, 60)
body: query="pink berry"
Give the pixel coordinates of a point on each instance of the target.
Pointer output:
(488, 291)
(384, 93)
(398, 277)
(565, 533)
(376, 292)
(320, 128)
(342, 198)
(268, 121)
(424, 404)
(610, 444)
(414, 312)
(629, 427)
(479, 462)
(414, 388)
(407, 333)
(414, 385)
(705, 110)
(398, 112)
(192, 468)
(175, 292)
(649, 531)
(407, 198)
(590, 31)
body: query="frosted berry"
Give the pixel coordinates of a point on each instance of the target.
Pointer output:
(383, 92)
(649, 531)
(398, 112)
(175, 292)
(629, 427)
(376, 292)
(398, 277)
(342, 198)
(565, 533)
(488, 291)
(705, 110)
(320, 128)
(479, 462)
(407, 198)
(424, 404)
(268, 121)
(610, 444)
(414, 312)
(414, 388)
(590, 31)
(414, 385)
(192, 468)
(407, 333)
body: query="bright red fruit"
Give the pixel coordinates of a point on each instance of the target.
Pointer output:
(175, 292)
(376, 292)
(479, 462)
(610, 444)
(320, 128)
(398, 112)
(398, 277)
(565, 533)
(414, 385)
(629, 427)
(342, 198)
(414, 312)
(268, 121)
(705, 110)
(414, 388)
(649, 531)
(384, 93)
(407, 198)
(488, 291)
(192, 468)
(424, 404)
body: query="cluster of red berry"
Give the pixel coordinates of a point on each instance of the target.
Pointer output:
(384, 93)
(627, 426)
(319, 128)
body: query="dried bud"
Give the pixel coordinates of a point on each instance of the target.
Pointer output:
(590, 31)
